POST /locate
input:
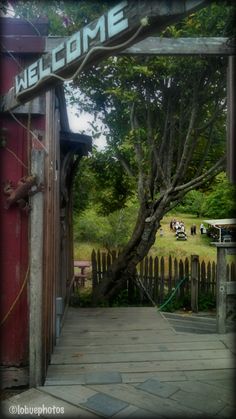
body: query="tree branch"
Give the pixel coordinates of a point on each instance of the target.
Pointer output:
(205, 151)
(187, 144)
(202, 178)
(212, 119)
(153, 148)
(138, 152)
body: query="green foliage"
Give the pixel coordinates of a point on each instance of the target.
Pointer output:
(220, 201)
(206, 301)
(81, 298)
(177, 303)
(65, 17)
(218, 19)
(101, 182)
(192, 203)
(121, 299)
(217, 201)
(110, 231)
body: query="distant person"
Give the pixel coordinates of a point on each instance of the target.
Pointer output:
(194, 229)
(202, 228)
(161, 232)
(177, 226)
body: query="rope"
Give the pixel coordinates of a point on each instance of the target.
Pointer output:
(144, 22)
(17, 298)
(17, 158)
(31, 132)
(146, 291)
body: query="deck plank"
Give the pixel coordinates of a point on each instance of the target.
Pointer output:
(143, 366)
(122, 357)
(112, 351)
(140, 347)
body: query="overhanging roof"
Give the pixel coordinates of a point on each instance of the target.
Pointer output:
(221, 222)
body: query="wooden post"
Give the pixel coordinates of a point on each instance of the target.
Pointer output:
(231, 147)
(221, 290)
(36, 274)
(94, 270)
(194, 282)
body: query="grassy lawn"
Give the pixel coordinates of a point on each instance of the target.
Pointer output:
(167, 244)
(194, 245)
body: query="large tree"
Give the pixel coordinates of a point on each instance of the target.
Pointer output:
(166, 120)
(166, 125)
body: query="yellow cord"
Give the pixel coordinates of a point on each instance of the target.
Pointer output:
(31, 132)
(16, 299)
(17, 158)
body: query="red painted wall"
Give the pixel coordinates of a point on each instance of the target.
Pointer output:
(14, 224)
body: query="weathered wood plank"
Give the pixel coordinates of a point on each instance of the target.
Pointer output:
(205, 388)
(217, 375)
(181, 46)
(214, 374)
(74, 394)
(79, 357)
(36, 274)
(231, 149)
(143, 366)
(13, 376)
(137, 347)
(139, 377)
(128, 340)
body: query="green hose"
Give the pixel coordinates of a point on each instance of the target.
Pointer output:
(172, 294)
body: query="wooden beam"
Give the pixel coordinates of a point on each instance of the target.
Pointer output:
(116, 27)
(231, 133)
(36, 274)
(181, 46)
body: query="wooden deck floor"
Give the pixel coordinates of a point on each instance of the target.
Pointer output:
(135, 357)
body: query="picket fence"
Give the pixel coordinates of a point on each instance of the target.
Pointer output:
(159, 275)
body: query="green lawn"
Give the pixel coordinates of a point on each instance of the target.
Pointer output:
(194, 245)
(167, 244)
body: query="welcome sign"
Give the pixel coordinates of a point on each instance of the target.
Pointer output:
(105, 28)
(115, 27)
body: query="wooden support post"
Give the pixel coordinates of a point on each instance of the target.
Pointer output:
(36, 274)
(221, 290)
(231, 147)
(194, 282)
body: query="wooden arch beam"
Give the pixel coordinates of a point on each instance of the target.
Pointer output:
(115, 27)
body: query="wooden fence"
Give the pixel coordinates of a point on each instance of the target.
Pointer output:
(160, 275)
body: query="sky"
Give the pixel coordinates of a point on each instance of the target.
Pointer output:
(81, 123)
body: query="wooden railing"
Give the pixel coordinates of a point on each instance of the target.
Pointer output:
(160, 275)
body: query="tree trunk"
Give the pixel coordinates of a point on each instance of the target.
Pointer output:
(124, 267)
